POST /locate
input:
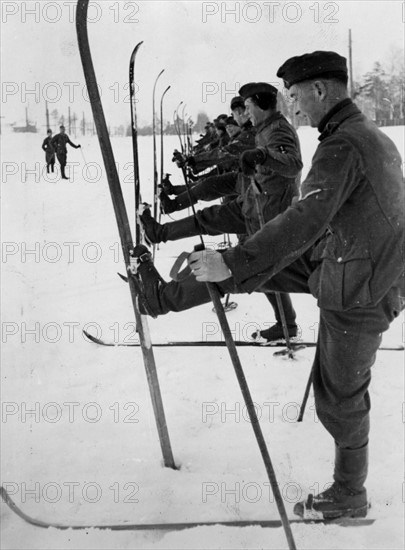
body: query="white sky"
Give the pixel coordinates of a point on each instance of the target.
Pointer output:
(201, 46)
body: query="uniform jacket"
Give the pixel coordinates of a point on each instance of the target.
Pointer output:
(278, 178)
(48, 148)
(349, 217)
(209, 137)
(279, 142)
(60, 141)
(226, 157)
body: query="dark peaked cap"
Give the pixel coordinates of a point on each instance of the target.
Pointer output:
(254, 88)
(231, 121)
(236, 102)
(310, 65)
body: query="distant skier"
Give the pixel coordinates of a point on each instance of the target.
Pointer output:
(59, 143)
(49, 152)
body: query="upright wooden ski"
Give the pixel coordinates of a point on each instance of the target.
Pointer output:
(123, 228)
(134, 134)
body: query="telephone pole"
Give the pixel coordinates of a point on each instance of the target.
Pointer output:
(47, 115)
(351, 89)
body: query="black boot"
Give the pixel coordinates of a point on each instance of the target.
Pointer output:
(62, 169)
(150, 280)
(351, 467)
(167, 204)
(169, 188)
(181, 202)
(158, 296)
(347, 497)
(158, 233)
(274, 334)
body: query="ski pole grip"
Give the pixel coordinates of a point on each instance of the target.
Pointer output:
(178, 274)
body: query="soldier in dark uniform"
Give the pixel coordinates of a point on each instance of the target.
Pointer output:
(59, 143)
(276, 170)
(222, 185)
(342, 241)
(206, 139)
(49, 152)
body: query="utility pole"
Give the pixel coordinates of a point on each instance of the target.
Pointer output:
(74, 119)
(351, 65)
(47, 115)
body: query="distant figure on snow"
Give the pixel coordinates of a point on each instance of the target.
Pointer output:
(59, 143)
(49, 152)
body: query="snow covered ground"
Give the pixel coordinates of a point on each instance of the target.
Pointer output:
(79, 443)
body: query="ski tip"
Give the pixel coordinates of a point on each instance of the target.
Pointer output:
(89, 336)
(123, 277)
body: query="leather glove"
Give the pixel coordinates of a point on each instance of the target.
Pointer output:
(190, 161)
(178, 158)
(249, 159)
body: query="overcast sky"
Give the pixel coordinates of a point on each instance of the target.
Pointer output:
(206, 48)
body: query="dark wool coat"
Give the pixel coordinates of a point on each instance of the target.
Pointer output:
(351, 212)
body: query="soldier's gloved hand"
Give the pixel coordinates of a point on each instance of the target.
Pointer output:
(78, 147)
(178, 159)
(249, 159)
(166, 185)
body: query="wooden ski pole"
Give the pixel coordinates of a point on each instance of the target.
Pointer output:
(290, 347)
(233, 353)
(305, 398)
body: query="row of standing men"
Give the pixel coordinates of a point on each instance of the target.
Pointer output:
(341, 240)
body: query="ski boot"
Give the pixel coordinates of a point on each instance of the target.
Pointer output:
(336, 502)
(149, 281)
(152, 229)
(167, 185)
(274, 335)
(167, 204)
(172, 231)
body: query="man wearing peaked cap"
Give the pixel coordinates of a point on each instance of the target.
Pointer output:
(320, 79)
(237, 102)
(275, 164)
(262, 93)
(230, 121)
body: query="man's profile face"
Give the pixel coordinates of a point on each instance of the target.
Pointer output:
(304, 96)
(254, 113)
(232, 130)
(240, 115)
